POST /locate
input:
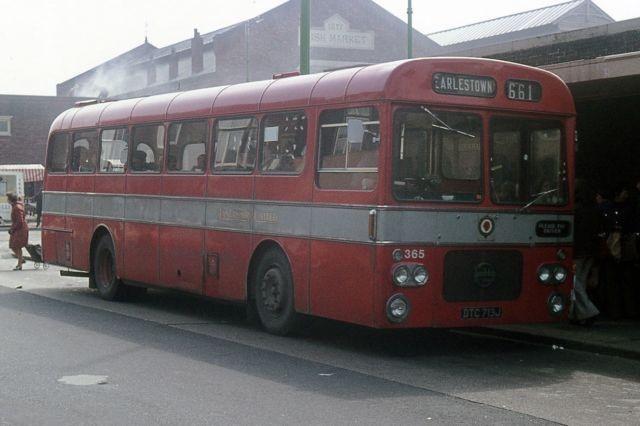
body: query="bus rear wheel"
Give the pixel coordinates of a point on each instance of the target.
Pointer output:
(273, 293)
(105, 277)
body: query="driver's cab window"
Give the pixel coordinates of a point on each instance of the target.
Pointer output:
(527, 162)
(506, 166)
(546, 169)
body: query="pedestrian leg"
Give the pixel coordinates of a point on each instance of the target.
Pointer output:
(582, 308)
(18, 254)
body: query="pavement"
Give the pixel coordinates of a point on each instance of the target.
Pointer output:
(608, 337)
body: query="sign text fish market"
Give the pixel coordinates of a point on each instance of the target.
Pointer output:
(336, 34)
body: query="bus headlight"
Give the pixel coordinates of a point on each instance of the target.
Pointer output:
(544, 274)
(420, 275)
(397, 308)
(401, 275)
(559, 274)
(555, 304)
(552, 274)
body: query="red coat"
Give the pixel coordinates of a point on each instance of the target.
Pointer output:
(19, 229)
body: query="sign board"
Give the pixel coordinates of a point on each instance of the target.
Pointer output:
(553, 228)
(337, 34)
(464, 85)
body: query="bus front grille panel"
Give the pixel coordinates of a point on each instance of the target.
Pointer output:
(482, 275)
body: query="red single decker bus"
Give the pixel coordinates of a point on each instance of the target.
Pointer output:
(419, 193)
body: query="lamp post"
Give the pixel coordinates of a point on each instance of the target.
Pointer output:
(305, 36)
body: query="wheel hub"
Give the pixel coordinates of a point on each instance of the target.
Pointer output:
(271, 290)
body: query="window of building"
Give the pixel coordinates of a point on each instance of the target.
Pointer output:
(349, 163)
(184, 67)
(209, 60)
(162, 73)
(147, 150)
(58, 153)
(187, 147)
(283, 142)
(5, 125)
(114, 150)
(84, 154)
(235, 145)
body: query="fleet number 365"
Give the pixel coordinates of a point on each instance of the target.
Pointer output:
(413, 254)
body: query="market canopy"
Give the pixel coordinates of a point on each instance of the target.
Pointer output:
(31, 172)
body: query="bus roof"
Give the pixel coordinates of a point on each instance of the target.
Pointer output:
(406, 80)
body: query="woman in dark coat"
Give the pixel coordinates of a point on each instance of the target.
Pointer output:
(19, 230)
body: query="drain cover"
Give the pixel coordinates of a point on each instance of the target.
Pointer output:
(83, 380)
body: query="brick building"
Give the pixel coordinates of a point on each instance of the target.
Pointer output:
(24, 126)
(343, 34)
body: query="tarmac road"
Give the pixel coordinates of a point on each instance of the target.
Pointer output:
(176, 359)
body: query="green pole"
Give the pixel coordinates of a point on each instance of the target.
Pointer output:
(305, 36)
(409, 31)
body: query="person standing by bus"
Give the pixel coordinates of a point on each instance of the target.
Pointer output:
(19, 230)
(582, 310)
(38, 200)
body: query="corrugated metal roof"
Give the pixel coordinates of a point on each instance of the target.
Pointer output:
(506, 24)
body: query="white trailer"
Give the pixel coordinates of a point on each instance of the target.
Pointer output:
(9, 182)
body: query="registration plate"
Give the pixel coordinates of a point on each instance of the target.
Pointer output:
(479, 313)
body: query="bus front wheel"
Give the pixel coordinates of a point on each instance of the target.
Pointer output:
(105, 277)
(273, 293)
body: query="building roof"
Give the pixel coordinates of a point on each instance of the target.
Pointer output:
(510, 24)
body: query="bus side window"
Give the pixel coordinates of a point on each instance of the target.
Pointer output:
(84, 154)
(58, 153)
(283, 142)
(147, 148)
(113, 150)
(235, 145)
(187, 150)
(349, 161)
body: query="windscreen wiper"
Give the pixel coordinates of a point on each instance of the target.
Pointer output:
(445, 126)
(537, 197)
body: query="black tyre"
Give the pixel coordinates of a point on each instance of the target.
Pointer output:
(104, 271)
(273, 293)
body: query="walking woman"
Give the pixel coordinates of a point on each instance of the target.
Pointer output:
(19, 230)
